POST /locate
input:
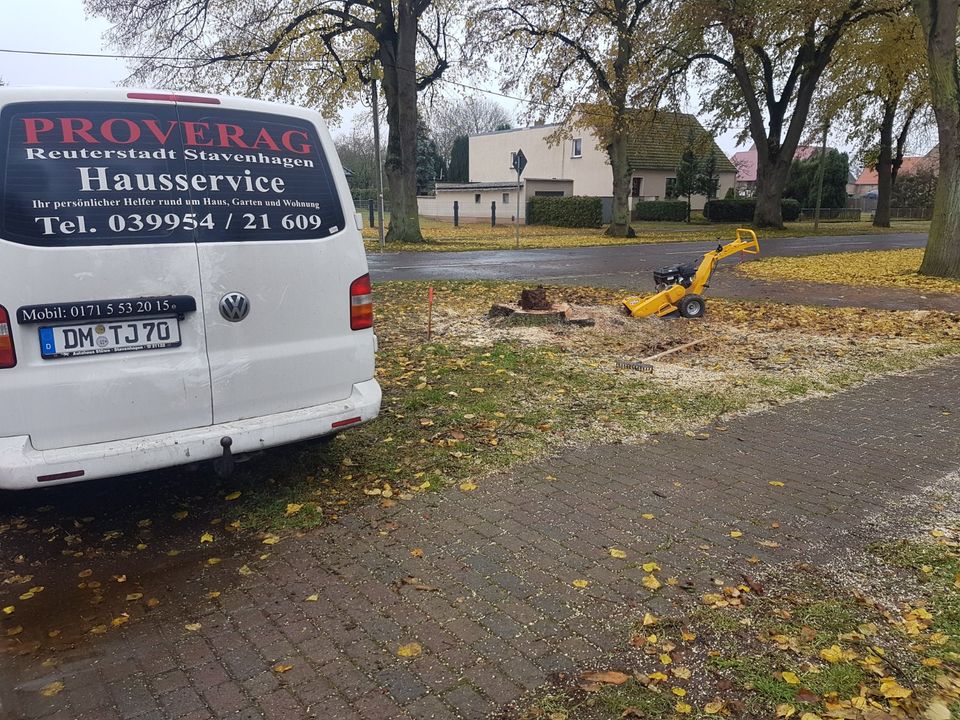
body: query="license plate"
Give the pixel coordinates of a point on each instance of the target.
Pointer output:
(59, 341)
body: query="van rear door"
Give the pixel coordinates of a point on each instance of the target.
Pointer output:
(277, 265)
(100, 279)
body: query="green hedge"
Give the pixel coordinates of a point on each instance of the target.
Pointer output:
(660, 210)
(790, 209)
(576, 211)
(741, 210)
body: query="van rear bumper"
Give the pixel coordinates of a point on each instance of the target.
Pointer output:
(21, 465)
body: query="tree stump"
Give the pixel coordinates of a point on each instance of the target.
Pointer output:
(535, 299)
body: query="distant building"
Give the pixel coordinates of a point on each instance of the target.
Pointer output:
(868, 181)
(746, 163)
(572, 166)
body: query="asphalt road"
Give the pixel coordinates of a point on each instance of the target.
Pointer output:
(613, 266)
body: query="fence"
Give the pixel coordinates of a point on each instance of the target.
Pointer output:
(831, 214)
(915, 213)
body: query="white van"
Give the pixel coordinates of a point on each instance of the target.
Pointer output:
(182, 278)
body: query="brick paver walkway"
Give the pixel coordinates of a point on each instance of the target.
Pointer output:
(495, 611)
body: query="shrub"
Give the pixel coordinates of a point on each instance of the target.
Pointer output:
(576, 211)
(660, 210)
(729, 210)
(741, 210)
(790, 209)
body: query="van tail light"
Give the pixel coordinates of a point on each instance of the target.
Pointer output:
(361, 303)
(8, 355)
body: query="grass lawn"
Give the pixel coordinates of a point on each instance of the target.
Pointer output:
(480, 236)
(802, 644)
(481, 396)
(882, 268)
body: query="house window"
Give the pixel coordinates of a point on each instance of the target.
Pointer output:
(636, 186)
(671, 188)
(506, 198)
(576, 149)
(476, 198)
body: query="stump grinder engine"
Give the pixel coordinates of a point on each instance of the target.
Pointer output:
(680, 287)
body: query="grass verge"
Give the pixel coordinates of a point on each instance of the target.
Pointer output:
(799, 645)
(882, 268)
(444, 237)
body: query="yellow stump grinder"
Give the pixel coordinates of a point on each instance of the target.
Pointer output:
(680, 287)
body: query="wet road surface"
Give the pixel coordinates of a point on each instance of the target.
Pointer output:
(611, 266)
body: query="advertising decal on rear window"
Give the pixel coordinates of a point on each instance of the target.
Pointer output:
(118, 173)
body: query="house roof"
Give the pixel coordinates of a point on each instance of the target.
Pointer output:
(910, 164)
(659, 143)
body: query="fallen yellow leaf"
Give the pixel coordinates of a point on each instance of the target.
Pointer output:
(313, 598)
(649, 619)
(193, 627)
(410, 650)
(180, 515)
(657, 676)
(678, 691)
(134, 596)
(8, 610)
(417, 552)
(14, 631)
(206, 538)
(152, 602)
(580, 583)
(714, 707)
(681, 672)
(775, 483)
(52, 689)
(790, 678)
(293, 509)
(650, 567)
(619, 554)
(785, 710)
(648, 516)
(892, 690)
(468, 486)
(651, 582)
(245, 570)
(282, 668)
(683, 708)
(736, 534)
(271, 539)
(232, 496)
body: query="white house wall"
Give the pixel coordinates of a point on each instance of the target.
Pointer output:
(490, 156)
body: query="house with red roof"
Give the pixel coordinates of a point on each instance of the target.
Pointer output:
(867, 182)
(746, 163)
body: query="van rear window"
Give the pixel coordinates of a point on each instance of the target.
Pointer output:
(83, 173)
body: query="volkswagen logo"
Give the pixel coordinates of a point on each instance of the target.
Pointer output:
(234, 306)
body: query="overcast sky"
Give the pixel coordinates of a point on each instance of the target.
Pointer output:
(67, 29)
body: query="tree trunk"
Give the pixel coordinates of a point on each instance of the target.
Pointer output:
(771, 180)
(881, 217)
(622, 178)
(939, 21)
(400, 93)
